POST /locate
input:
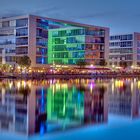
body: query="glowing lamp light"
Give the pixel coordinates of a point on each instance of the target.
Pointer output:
(19, 67)
(91, 66)
(113, 66)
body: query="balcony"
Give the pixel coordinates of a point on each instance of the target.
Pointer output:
(22, 41)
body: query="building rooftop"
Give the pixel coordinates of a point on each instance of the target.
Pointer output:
(56, 20)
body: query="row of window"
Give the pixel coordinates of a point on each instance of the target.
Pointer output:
(92, 39)
(121, 44)
(95, 32)
(14, 23)
(121, 50)
(6, 32)
(122, 57)
(122, 37)
(81, 54)
(21, 50)
(10, 59)
(67, 55)
(73, 61)
(12, 40)
(68, 47)
(129, 63)
(73, 32)
(77, 47)
(68, 32)
(6, 40)
(9, 51)
(77, 39)
(41, 60)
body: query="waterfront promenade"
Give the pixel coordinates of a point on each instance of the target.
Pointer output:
(70, 75)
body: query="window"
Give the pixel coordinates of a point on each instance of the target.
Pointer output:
(21, 22)
(22, 41)
(10, 58)
(41, 60)
(22, 32)
(41, 51)
(5, 24)
(21, 50)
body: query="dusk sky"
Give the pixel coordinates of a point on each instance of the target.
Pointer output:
(122, 16)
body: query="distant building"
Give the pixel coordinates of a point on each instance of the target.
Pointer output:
(125, 48)
(28, 35)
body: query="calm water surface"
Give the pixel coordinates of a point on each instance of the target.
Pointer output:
(30, 107)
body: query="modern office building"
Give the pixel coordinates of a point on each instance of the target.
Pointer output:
(28, 35)
(72, 44)
(125, 48)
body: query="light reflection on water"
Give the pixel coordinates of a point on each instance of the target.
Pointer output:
(30, 107)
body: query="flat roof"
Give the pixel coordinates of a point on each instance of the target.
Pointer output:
(52, 19)
(132, 33)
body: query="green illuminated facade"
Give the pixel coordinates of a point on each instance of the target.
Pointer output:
(65, 104)
(71, 44)
(69, 104)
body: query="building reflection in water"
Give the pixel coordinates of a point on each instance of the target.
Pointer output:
(124, 98)
(41, 106)
(30, 107)
(75, 104)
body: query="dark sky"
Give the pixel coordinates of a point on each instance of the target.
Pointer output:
(122, 16)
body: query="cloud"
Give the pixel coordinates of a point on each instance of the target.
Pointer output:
(52, 9)
(12, 12)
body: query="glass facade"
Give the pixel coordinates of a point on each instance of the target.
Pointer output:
(69, 45)
(71, 41)
(42, 28)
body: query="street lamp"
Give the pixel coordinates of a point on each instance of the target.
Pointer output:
(132, 66)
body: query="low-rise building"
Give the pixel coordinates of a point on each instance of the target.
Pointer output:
(125, 48)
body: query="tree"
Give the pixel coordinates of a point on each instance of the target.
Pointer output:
(24, 62)
(5, 67)
(102, 62)
(123, 64)
(81, 63)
